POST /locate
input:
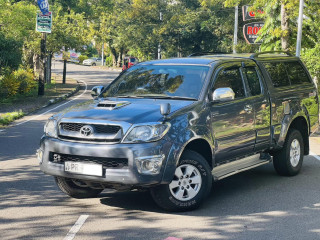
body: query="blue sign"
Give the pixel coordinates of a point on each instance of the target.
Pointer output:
(44, 6)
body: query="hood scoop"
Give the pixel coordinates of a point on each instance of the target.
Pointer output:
(111, 105)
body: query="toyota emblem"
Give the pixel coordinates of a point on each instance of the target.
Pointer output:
(86, 131)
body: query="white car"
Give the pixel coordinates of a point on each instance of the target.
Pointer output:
(92, 62)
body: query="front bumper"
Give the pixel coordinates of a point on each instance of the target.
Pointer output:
(123, 176)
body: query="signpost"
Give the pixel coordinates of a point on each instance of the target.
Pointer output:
(250, 32)
(43, 25)
(44, 6)
(44, 22)
(249, 15)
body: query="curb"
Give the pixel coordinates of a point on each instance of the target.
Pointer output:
(62, 97)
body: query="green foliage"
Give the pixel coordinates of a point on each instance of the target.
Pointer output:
(10, 52)
(82, 58)
(9, 85)
(20, 81)
(7, 118)
(25, 79)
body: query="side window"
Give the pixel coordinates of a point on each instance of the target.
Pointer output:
(230, 78)
(278, 74)
(253, 80)
(296, 73)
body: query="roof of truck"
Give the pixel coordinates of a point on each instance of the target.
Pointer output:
(206, 59)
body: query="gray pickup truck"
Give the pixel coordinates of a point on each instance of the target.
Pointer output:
(173, 126)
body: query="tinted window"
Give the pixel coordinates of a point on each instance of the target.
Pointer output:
(278, 74)
(159, 81)
(230, 78)
(296, 73)
(253, 80)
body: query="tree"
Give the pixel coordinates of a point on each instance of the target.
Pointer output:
(69, 31)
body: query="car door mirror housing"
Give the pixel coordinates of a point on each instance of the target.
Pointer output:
(223, 95)
(95, 91)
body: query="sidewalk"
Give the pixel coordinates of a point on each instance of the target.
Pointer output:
(315, 143)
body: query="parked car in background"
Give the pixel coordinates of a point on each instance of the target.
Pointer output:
(129, 62)
(92, 62)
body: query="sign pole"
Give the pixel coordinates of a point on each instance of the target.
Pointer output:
(235, 36)
(299, 35)
(42, 72)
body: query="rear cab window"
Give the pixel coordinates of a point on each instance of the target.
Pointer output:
(285, 74)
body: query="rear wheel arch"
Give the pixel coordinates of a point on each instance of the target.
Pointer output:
(300, 123)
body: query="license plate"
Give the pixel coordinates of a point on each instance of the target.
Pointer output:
(83, 168)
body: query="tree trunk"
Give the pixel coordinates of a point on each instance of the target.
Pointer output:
(120, 58)
(49, 66)
(114, 57)
(285, 28)
(64, 71)
(36, 63)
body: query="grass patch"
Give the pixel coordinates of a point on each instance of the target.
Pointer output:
(7, 118)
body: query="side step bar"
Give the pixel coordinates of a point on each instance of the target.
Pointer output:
(238, 166)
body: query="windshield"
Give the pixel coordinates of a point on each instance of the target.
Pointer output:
(159, 81)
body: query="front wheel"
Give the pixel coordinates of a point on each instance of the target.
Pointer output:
(76, 188)
(288, 161)
(191, 183)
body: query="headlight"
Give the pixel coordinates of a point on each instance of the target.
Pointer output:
(147, 133)
(51, 128)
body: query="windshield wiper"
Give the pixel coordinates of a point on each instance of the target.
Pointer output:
(168, 97)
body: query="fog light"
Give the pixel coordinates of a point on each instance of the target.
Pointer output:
(39, 155)
(149, 164)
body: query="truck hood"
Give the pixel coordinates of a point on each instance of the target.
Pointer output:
(133, 111)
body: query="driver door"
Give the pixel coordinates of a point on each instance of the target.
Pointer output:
(232, 121)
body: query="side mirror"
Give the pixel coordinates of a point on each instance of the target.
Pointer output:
(223, 95)
(95, 91)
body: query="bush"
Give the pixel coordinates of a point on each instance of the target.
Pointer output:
(20, 81)
(82, 58)
(25, 79)
(109, 61)
(9, 85)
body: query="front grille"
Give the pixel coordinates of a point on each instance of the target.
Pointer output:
(98, 128)
(116, 140)
(107, 163)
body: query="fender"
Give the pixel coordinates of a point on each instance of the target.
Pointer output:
(286, 123)
(182, 139)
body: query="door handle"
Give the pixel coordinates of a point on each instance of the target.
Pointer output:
(248, 108)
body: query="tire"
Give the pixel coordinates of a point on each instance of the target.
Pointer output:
(288, 161)
(180, 194)
(93, 64)
(74, 190)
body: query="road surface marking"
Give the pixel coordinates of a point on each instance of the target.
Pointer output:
(55, 107)
(315, 155)
(76, 227)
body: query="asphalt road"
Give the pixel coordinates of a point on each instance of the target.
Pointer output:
(257, 204)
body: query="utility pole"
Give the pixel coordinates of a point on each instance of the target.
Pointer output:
(42, 73)
(159, 46)
(235, 35)
(102, 54)
(299, 35)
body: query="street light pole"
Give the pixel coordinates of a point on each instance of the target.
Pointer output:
(235, 36)
(299, 35)
(159, 46)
